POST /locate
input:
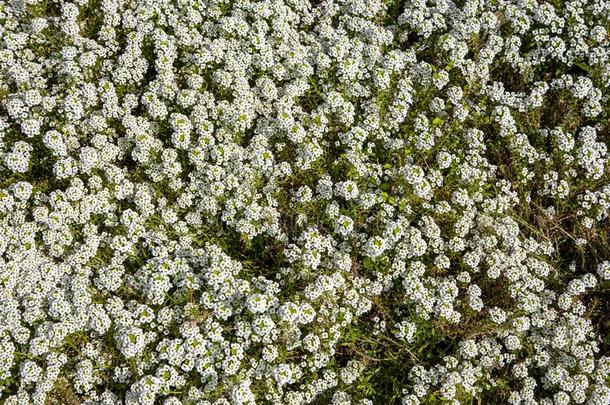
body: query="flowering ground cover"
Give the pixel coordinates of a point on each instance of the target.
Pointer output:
(289, 202)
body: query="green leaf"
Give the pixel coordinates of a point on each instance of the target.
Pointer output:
(582, 66)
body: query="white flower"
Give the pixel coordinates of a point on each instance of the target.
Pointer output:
(347, 189)
(29, 372)
(241, 393)
(375, 247)
(344, 225)
(283, 374)
(603, 269)
(130, 341)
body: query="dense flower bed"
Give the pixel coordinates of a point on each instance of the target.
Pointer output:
(288, 202)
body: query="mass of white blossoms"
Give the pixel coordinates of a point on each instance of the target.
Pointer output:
(221, 202)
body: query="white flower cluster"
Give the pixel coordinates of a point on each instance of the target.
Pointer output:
(288, 202)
